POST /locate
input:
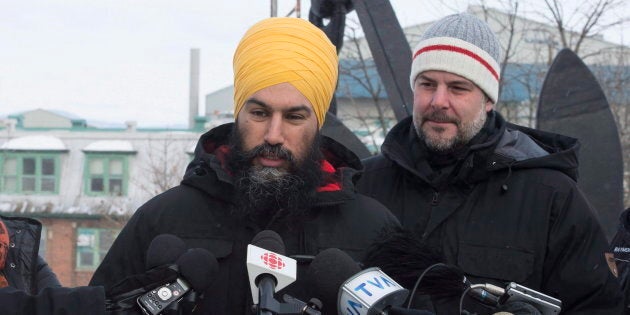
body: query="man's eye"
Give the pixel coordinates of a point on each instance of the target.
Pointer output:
(295, 117)
(259, 113)
(459, 88)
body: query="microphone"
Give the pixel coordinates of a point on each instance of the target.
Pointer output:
(414, 263)
(164, 249)
(407, 259)
(197, 268)
(370, 291)
(161, 255)
(268, 269)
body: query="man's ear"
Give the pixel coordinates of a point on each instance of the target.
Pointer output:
(489, 104)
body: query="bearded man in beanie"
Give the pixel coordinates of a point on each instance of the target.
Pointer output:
(499, 200)
(270, 170)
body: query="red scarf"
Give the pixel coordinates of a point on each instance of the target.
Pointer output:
(4, 251)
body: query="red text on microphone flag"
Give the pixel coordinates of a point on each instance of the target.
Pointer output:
(272, 261)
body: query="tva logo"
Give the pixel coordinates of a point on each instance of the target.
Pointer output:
(370, 292)
(373, 284)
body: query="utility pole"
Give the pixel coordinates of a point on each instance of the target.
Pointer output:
(274, 8)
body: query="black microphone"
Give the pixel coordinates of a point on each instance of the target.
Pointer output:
(164, 249)
(343, 286)
(327, 273)
(405, 257)
(161, 255)
(197, 268)
(417, 265)
(409, 260)
(268, 269)
(270, 241)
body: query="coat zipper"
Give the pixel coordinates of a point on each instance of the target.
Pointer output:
(436, 196)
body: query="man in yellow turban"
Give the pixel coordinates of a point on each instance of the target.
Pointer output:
(269, 170)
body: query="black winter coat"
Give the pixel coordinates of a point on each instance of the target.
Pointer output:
(510, 211)
(25, 270)
(198, 211)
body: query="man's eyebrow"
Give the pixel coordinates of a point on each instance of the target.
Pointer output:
(457, 82)
(461, 82)
(257, 102)
(292, 109)
(423, 77)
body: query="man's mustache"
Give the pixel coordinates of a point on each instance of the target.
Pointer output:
(276, 151)
(441, 117)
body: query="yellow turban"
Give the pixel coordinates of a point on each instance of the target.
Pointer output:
(286, 50)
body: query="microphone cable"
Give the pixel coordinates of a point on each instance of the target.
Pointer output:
(415, 287)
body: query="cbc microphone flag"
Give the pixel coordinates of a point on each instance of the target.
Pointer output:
(261, 261)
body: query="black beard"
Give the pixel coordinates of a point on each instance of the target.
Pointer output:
(270, 195)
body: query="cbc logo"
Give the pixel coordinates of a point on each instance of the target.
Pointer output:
(272, 261)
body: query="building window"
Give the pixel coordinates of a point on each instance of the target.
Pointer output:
(92, 245)
(106, 175)
(29, 173)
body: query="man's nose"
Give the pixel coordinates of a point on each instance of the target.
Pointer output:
(440, 97)
(275, 131)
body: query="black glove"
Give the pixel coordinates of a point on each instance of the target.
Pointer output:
(121, 298)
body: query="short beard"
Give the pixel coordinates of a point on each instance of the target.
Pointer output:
(273, 194)
(465, 131)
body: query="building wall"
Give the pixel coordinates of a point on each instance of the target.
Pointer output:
(155, 152)
(45, 119)
(60, 238)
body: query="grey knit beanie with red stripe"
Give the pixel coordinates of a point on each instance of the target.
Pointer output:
(463, 45)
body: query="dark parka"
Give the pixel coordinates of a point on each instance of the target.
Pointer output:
(25, 270)
(509, 211)
(198, 211)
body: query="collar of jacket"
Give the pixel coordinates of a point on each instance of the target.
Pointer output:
(206, 171)
(511, 147)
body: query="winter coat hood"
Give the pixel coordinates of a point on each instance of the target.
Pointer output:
(509, 147)
(208, 170)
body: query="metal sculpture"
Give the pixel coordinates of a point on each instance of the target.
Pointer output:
(572, 103)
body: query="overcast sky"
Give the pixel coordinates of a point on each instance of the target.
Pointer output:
(114, 61)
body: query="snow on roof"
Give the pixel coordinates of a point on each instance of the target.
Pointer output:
(109, 146)
(34, 143)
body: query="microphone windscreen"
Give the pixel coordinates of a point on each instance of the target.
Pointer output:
(270, 241)
(199, 267)
(404, 256)
(164, 249)
(327, 273)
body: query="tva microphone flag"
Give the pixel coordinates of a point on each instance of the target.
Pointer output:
(370, 291)
(261, 261)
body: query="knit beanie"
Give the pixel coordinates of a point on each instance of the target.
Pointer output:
(463, 45)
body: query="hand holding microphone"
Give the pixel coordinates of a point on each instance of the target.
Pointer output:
(172, 272)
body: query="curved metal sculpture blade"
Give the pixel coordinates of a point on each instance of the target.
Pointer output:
(335, 129)
(572, 103)
(390, 50)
